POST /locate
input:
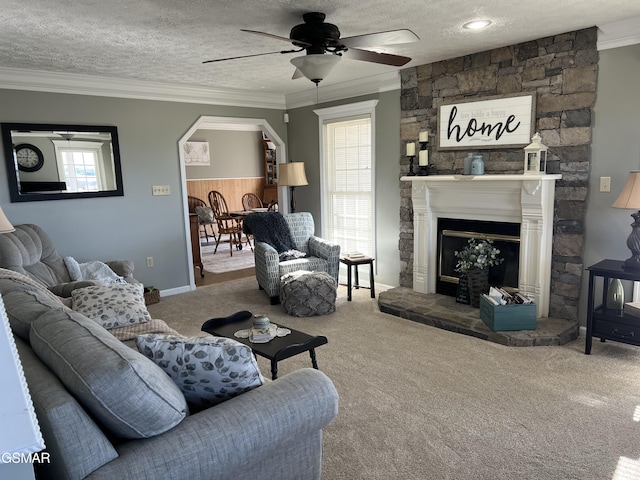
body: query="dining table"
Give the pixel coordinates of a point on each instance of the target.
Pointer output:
(239, 217)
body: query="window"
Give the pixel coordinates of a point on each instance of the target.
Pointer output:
(347, 176)
(80, 165)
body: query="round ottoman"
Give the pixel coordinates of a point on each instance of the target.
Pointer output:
(304, 293)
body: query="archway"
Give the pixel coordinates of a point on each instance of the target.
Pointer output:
(225, 123)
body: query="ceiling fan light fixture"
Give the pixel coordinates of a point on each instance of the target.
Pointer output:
(477, 24)
(316, 66)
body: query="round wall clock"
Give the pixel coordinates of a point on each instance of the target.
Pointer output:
(29, 157)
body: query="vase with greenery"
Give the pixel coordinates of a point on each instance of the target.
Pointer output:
(474, 261)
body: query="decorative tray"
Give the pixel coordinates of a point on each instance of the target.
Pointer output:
(262, 335)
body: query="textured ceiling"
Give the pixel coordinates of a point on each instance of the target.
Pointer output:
(167, 40)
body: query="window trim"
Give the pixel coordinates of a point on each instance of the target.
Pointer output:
(343, 113)
(62, 146)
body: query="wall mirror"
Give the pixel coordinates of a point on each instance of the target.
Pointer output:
(56, 162)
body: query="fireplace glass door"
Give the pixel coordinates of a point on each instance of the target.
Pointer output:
(453, 235)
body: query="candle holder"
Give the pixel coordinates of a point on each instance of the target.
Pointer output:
(424, 169)
(411, 172)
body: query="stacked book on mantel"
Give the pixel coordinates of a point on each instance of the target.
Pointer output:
(632, 308)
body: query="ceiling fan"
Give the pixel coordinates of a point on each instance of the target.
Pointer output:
(324, 47)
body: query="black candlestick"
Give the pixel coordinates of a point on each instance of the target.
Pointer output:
(411, 172)
(424, 169)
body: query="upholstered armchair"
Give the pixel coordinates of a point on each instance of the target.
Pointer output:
(322, 255)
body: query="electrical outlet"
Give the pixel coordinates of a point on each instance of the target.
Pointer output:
(161, 190)
(605, 184)
(149, 261)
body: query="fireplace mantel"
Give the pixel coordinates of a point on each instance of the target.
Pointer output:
(524, 199)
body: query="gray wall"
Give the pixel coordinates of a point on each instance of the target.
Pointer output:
(304, 147)
(137, 225)
(234, 154)
(615, 152)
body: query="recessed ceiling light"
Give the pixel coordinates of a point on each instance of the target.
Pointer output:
(477, 24)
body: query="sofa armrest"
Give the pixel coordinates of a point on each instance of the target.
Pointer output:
(65, 290)
(124, 268)
(221, 441)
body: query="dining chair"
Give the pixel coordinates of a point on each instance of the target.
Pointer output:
(251, 201)
(227, 223)
(204, 217)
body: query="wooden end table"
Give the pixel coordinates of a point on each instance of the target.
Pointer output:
(602, 322)
(276, 349)
(355, 262)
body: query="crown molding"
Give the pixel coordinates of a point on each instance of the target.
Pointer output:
(76, 84)
(619, 34)
(40, 81)
(339, 91)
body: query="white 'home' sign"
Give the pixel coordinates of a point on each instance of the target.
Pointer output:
(504, 122)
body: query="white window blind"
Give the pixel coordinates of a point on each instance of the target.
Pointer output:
(349, 182)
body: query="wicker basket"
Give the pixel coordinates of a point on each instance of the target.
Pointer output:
(152, 296)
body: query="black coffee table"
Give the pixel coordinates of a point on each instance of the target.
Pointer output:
(275, 350)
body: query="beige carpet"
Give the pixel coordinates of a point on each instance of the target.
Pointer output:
(222, 261)
(417, 402)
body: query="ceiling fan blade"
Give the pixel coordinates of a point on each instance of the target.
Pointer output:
(277, 37)
(390, 37)
(375, 57)
(242, 56)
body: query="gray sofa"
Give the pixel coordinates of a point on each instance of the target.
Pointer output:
(31, 252)
(107, 411)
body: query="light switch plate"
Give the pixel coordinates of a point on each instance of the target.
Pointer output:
(605, 184)
(161, 190)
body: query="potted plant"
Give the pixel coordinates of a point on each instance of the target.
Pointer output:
(473, 261)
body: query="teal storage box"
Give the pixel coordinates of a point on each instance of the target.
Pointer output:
(508, 317)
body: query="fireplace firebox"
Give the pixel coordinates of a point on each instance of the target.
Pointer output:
(453, 235)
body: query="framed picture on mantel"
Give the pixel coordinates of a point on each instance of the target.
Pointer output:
(505, 121)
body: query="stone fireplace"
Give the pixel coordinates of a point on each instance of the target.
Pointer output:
(526, 200)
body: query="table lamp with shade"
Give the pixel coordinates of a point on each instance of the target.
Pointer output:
(630, 198)
(20, 434)
(292, 175)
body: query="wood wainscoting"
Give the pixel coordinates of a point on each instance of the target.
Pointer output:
(231, 188)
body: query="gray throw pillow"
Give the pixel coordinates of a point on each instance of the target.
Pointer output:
(123, 389)
(205, 214)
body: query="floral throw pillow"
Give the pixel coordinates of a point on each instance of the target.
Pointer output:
(208, 370)
(112, 306)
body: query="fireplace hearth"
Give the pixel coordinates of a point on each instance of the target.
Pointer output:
(443, 312)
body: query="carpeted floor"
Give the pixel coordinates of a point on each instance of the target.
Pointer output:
(417, 402)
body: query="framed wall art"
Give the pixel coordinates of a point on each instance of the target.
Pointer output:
(488, 123)
(196, 154)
